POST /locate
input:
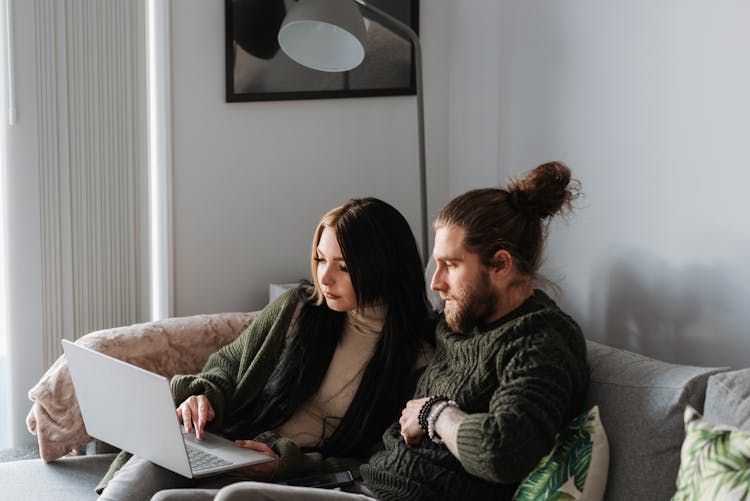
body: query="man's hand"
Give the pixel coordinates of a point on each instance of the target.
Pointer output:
(446, 425)
(409, 421)
(195, 412)
(262, 472)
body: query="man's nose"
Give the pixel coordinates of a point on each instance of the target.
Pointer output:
(437, 283)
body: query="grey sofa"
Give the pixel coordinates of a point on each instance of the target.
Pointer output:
(641, 403)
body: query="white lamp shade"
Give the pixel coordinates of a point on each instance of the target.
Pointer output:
(326, 35)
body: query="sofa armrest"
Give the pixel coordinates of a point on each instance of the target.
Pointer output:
(167, 347)
(642, 402)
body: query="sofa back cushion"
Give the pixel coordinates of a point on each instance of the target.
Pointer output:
(642, 402)
(728, 399)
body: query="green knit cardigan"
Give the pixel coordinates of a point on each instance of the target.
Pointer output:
(236, 374)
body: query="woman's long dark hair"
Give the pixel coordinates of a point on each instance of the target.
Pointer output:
(385, 268)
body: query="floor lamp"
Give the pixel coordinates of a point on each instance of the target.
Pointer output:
(329, 35)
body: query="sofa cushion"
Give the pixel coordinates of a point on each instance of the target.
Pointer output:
(575, 468)
(715, 461)
(642, 401)
(167, 347)
(728, 399)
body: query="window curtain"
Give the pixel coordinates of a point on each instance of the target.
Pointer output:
(76, 180)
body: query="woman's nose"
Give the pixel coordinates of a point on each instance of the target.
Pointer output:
(325, 275)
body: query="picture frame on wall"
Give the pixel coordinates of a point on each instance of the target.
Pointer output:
(258, 70)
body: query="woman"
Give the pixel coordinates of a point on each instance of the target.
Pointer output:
(323, 370)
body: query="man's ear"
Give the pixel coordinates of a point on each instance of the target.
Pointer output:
(501, 262)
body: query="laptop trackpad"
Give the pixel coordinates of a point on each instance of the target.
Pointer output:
(210, 441)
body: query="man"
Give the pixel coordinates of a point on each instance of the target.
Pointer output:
(509, 369)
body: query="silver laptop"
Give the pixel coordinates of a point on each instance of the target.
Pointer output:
(132, 408)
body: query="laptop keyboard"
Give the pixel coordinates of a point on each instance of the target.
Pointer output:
(202, 460)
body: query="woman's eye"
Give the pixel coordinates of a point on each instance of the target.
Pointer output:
(318, 259)
(344, 269)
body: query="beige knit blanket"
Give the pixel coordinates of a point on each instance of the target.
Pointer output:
(166, 347)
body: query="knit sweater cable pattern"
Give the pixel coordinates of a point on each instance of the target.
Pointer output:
(520, 381)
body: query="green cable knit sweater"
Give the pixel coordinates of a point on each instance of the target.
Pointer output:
(520, 379)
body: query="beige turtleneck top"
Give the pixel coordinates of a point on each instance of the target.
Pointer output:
(319, 417)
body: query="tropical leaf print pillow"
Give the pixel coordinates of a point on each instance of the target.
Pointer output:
(714, 461)
(577, 466)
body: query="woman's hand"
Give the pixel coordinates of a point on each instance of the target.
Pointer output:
(409, 421)
(262, 472)
(195, 412)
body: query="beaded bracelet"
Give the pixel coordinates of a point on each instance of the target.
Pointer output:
(425, 410)
(433, 416)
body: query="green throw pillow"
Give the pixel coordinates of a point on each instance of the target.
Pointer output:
(714, 461)
(577, 466)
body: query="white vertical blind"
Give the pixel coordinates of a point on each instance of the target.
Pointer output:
(77, 177)
(92, 165)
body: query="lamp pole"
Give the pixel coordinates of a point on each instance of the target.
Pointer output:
(317, 24)
(406, 30)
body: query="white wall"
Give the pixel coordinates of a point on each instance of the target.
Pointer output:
(251, 180)
(648, 103)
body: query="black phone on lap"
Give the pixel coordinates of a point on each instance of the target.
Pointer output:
(322, 480)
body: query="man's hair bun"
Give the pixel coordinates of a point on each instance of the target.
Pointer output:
(544, 191)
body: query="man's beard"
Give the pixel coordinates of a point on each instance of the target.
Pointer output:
(471, 305)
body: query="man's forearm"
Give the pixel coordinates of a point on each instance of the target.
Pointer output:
(446, 426)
